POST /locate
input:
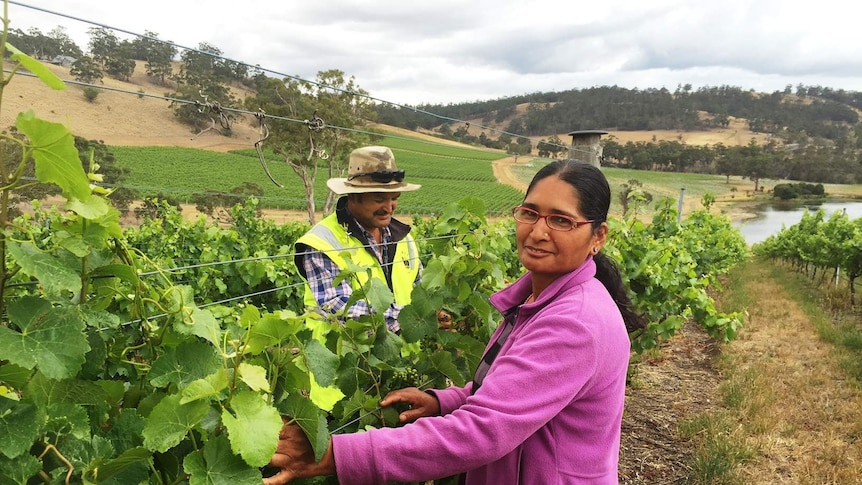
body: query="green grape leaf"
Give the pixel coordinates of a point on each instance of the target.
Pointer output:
(473, 205)
(210, 386)
(19, 426)
(72, 243)
(200, 322)
(378, 295)
(14, 375)
(67, 418)
(132, 466)
(253, 427)
(433, 275)
(324, 397)
(52, 272)
(51, 338)
(387, 346)
(170, 421)
(113, 389)
(250, 315)
(123, 272)
(91, 208)
(415, 326)
(321, 362)
(186, 363)
(55, 154)
(271, 329)
(348, 368)
(354, 405)
(310, 419)
(125, 430)
(37, 68)
(19, 470)
(217, 465)
(442, 361)
(254, 376)
(45, 391)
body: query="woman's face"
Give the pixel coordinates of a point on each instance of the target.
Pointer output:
(548, 253)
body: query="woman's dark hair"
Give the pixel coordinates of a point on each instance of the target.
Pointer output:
(594, 201)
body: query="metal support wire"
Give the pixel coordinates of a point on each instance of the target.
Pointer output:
(220, 302)
(280, 256)
(258, 145)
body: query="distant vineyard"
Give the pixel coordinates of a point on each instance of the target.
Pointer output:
(446, 174)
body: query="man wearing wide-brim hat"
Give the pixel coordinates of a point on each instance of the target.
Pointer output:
(363, 232)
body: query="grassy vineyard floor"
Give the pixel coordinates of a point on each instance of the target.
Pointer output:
(773, 407)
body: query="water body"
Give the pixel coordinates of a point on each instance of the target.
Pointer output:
(772, 219)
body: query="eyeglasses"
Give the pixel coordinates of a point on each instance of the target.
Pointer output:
(382, 176)
(557, 222)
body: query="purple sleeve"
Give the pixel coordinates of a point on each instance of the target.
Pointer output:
(520, 394)
(451, 398)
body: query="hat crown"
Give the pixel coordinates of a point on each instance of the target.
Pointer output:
(371, 159)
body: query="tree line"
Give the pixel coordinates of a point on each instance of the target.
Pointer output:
(815, 132)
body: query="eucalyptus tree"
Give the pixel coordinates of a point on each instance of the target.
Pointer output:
(102, 44)
(158, 55)
(201, 81)
(86, 70)
(311, 126)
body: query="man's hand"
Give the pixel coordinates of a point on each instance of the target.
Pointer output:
(421, 403)
(295, 457)
(444, 319)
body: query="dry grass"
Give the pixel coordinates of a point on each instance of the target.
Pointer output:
(117, 118)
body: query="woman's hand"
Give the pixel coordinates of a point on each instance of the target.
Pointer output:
(295, 457)
(421, 403)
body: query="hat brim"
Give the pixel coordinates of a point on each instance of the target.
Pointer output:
(340, 186)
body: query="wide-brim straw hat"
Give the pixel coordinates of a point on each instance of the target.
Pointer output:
(371, 169)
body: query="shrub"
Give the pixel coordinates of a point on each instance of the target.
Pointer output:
(91, 93)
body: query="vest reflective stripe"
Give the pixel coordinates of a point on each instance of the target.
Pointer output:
(331, 238)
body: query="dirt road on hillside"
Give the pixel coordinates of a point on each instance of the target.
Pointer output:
(503, 172)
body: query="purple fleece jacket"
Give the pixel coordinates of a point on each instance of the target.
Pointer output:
(549, 410)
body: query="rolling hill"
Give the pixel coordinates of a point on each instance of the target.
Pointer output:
(138, 113)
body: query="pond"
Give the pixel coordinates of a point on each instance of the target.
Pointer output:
(771, 219)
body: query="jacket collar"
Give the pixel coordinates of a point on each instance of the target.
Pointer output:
(516, 293)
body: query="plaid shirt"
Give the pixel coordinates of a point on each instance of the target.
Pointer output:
(322, 271)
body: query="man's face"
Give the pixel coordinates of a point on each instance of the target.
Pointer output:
(373, 210)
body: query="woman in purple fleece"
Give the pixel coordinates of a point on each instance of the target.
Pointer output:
(546, 403)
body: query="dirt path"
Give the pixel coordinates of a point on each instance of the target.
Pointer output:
(803, 426)
(504, 175)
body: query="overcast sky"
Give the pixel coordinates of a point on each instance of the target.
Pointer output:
(449, 51)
